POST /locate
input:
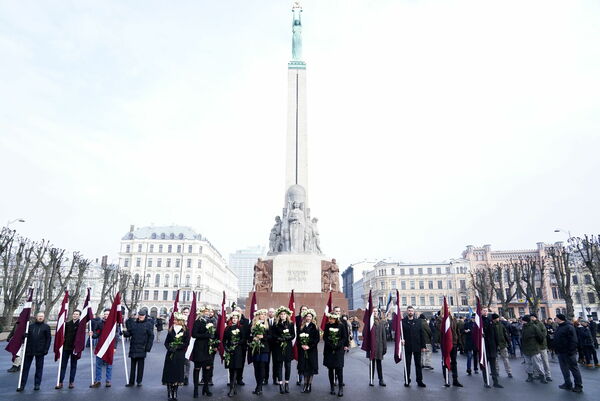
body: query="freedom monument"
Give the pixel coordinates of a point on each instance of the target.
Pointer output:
(296, 261)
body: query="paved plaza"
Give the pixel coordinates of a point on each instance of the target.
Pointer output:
(355, 372)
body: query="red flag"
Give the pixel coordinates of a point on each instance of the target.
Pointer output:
(221, 328)
(397, 326)
(105, 349)
(328, 309)
(190, 325)
(253, 308)
(292, 307)
(446, 335)
(15, 343)
(478, 338)
(59, 337)
(86, 316)
(369, 341)
(175, 309)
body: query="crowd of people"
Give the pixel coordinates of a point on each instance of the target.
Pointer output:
(272, 338)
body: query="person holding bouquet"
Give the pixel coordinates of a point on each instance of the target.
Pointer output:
(204, 331)
(259, 339)
(176, 343)
(308, 356)
(336, 342)
(234, 340)
(283, 333)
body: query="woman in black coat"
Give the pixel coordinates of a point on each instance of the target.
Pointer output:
(336, 342)
(308, 356)
(141, 338)
(258, 343)
(204, 332)
(234, 339)
(176, 343)
(298, 318)
(283, 333)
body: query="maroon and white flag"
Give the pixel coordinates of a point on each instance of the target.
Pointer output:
(175, 309)
(446, 334)
(59, 337)
(478, 337)
(190, 325)
(292, 307)
(105, 349)
(221, 328)
(16, 342)
(397, 326)
(369, 343)
(86, 316)
(328, 309)
(253, 308)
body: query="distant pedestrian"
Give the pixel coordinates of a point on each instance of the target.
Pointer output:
(355, 327)
(589, 352)
(565, 346)
(531, 342)
(426, 355)
(160, 323)
(470, 349)
(503, 344)
(543, 347)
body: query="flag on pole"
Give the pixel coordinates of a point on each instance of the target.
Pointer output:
(175, 309)
(390, 305)
(446, 334)
(478, 336)
(328, 309)
(190, 325)
(369, 341)
(16, 342)
(253, 308)
(105, 349)
(86, 316)
(397, 326)
(221, 328)
(59, 336)
(292, 307)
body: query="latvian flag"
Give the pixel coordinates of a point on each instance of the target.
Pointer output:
(446, 330)
(292, 307)
(369, 343)
(105, 349)
(59, 337)
(328, 309)
(399, 335)
(86, 316)
(16, 342)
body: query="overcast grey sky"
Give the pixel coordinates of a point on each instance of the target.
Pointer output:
(432, 124)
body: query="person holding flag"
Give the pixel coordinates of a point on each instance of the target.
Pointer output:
(176, 342)
(38, 343)
(449, 341)
(141, 339)
(68, 354)
(84, 326)
(283, 333)
(414, 343)
(101, 331)
(379, 350)
(487, 342)
(59, 336)
(308, 355)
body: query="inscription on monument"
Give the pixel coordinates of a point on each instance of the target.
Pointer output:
(298, 272)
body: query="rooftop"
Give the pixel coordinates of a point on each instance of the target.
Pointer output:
(163, 232)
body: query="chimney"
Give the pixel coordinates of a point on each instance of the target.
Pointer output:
(131, 228)
(104, 261)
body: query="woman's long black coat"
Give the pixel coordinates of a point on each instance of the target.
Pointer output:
(173, 369)
(201, 352)
(238, 353)
(308, 362)
(333, 355)
(267, 337)
(285, 354)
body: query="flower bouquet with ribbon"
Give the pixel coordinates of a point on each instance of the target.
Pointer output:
(259, 329)
(334, 337)
(235, 340)
(304, 340)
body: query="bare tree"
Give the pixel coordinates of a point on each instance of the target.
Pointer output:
(54, 279)
(111, 277)
(77, 287)
(506, 277)
(532, 275)
(21, 260)
(560, 269)
(136, 286)
(588, 248)
(482, 280)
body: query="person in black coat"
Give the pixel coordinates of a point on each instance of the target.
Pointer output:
(491, 348)
(298, 318)
(160, 323)
(336, 342)
(141, 338)
(204, 331)
(176, 342)
(67, 353)
(259, 347)
(245, 327)
(414, 344)
(308, 355)
(565, 347)
(283, 332)
(38, 344)
(234, 339)
(594, 331)
(469, 344)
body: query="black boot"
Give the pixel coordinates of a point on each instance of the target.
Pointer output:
(286, 387)
(231, 390)
(341, 390)
(196, 377)
(299, 381)
(281, 388)
(174, 393)
(206, 389)
(332, 391)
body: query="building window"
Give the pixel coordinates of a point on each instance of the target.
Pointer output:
(420, 270)
(155, 295)
(139, 247)
(199, 263)
(189, 263)
(430, 284)
(591, 298)
(413, 300)
(521, 311)
(403, 285)
(411, 271)
(451, 300)
(441, 300)
(176, 280)
(587, 279)
(382, 285)
(538, 292)
(174, 295)
(165, 295)
(187, 281)
(199, 249)
(190, 248)
(429, 270)
(402, 272)
(578, 297)
(157, 280)
(412, 284)
(422, 300)
(465, 302)
(168, 262)
(160, 248)
(393, 284)
(136, 279)
(128, 248)
(146, 295)
(404, 301)
(159, 262)
(138, 262)
(438, 270)
(178, 248)
(463, 284)
(149, 262)
(169, 248)
(431, 301)
(126, 262)
(198, 281)
(166, 280)
(440, 285)
(151, 248)
(449, 284)
(421, 285)
(177, 262)
(575, 279)
(393, 271)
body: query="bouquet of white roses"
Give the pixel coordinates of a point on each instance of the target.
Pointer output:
(235, 340)
(259, 329)
(334, 336)
(213, 343)
(285, 337)
(304, 340)
(177, 341)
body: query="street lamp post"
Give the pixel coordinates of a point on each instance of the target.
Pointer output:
(578, 273)
(19, 220)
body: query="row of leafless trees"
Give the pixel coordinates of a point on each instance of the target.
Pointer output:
(525, 277)
(116, 279)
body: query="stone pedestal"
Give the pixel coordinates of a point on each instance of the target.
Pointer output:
(298, 272)
(316, 301)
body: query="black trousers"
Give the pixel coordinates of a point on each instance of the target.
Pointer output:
(376, 365)
(492, 367)
(417, 357)
(137, 366)
(453, 365)
(39, 369)
(278, 368)
(66, 356)
(274, 369)
(259, 372)
(207, 370)
(568, 367)
(336, 373)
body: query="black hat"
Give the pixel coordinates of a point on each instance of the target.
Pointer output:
(526, 318)
(533, 315)
(495, 316)
(562, 317)
(142, 312)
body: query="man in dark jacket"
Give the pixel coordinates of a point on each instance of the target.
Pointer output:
(543, 347)
(491, 348)
(140, 336)
(38, 344)
(245, 327)
(67, 353)
(565, 346)
(414, 344)
(503, 344)
(594, 331)
(531, 342)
